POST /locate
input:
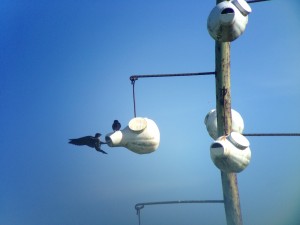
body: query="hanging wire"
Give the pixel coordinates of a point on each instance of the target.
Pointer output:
(133, 79)
(138, 211)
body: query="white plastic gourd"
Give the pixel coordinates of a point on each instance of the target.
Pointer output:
(231, 153)
(228, 20)
(211, 123)
(141, 136)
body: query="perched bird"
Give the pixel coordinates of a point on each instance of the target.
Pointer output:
(116, 125)
(93, 142)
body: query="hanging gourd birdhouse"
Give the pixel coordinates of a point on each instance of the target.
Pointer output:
(212, 127)
(228, 20)
(141, 136)
(231, 153)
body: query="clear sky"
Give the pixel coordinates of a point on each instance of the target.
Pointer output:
(64, 73)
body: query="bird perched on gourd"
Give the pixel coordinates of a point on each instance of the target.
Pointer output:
(116, 125)
(93, 142)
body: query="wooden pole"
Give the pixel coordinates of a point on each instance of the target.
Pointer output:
(223, 106)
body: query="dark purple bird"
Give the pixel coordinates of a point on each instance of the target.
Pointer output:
(116, 125)
(93, 142)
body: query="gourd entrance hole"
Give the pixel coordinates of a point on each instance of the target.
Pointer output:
(227, 11)
(108, 139)
(216, 145)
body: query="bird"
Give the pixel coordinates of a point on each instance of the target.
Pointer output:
(93, 142)
(116, 125)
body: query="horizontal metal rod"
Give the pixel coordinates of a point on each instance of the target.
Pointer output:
(272, 134)
(254, 1)
(139, 206)
(135, 77)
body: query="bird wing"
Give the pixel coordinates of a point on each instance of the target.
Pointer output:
(81, 141)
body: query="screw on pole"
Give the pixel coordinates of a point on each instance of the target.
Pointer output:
(223, 106)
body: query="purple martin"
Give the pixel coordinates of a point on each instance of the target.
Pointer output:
(93, 142)
(116, 125)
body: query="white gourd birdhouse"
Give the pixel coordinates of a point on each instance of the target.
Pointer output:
(211, 123)
(228, 20)
(141, 136)
(231, 153)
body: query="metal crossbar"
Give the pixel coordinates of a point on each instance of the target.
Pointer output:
(140, 206)
(135, 77)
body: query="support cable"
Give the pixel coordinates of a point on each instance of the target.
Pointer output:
(254, 1)
(272, 134)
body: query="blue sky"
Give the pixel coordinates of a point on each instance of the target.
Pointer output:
(65, 68)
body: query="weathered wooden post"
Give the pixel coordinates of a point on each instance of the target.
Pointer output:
(223, 104)
(226, 22)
